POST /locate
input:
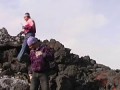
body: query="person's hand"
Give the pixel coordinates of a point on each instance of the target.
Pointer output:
(30, 76)
(38, 53)
(21, 32)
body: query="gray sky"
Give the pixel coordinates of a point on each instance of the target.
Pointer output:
(88, 27)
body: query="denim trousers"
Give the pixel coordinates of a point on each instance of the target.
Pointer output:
(39, 81)
(24, 46)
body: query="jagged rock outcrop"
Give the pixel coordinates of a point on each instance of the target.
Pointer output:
(7, 83)
(7, 40)
(68, 71)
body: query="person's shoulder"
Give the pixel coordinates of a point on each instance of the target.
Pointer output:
(30, 20)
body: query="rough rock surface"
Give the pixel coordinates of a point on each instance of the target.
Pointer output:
(68, 71)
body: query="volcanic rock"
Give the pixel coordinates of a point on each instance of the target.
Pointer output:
(68, 71)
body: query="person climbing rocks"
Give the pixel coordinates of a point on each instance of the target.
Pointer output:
(39, 56)
(28, 30)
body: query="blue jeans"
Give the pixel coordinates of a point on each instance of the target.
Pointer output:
(24, 46)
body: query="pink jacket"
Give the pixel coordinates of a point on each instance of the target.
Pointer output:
(30, 27)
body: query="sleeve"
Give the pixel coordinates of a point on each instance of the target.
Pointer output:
(30, 68)
(49, 53)
(29, 25)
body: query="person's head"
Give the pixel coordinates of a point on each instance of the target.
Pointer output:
(27, 16)
(32, 42)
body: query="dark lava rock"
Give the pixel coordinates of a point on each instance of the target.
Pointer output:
(68, 71)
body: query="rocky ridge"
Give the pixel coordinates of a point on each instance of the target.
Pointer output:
(68, 71)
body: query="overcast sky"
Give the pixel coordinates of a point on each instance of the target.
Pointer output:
(88, 27)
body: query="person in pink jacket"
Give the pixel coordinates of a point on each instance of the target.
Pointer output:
(28, 30)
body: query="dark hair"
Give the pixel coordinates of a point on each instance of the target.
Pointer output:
(27, 14)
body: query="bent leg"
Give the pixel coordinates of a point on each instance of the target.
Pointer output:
(24, 46)
(23, 50)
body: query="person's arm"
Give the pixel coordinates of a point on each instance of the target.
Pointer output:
(30, 77)
(48, 53)
(30, 73)
(21, 32)
(30, 68)
(29, 25)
